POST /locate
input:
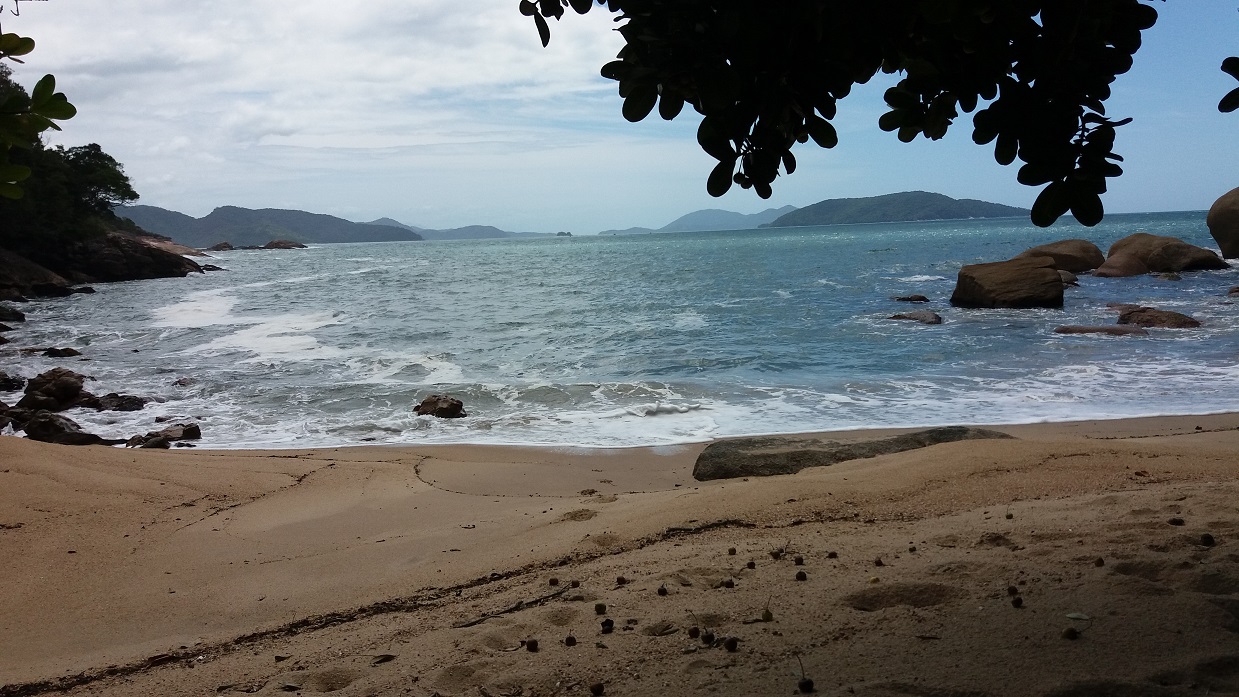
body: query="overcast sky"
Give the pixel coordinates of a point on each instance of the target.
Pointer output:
(442, 114)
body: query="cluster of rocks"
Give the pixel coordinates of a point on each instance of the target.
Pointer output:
(273, 244)
(1037, 277)
(59, 389)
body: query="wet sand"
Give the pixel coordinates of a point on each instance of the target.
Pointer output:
(428, 570)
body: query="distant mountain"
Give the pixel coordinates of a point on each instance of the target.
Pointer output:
(894, 208)
(245, 227)
(710, 219)
(716, 219)
(469, 232)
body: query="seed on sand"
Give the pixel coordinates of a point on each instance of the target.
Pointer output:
(662, 590)
(600, 608)
(531, 645)
(798, 560)
(1071, 634)
(731, 551)
(732, 644)
(802, 576)
(597, 689)
(752, 564)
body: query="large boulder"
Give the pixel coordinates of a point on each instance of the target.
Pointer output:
(1161, 253)
(1068, 255)
(55, 390)
(1150, 317)
(442, 406)
(53, 428)
(112, 256)
(1223, 223)
(10, 314)
(1018, 283)
(1121, 266)
(19, 275)
(767, 456)
(165, 437)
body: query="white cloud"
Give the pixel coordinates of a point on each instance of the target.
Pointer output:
(449, 113)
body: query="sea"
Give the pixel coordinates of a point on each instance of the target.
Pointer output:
(639, 340)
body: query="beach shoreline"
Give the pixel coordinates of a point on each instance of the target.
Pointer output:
(174, 569)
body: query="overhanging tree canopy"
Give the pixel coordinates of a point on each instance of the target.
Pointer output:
(767, 75)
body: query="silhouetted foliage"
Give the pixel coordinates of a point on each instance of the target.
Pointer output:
(24, 117)
(765, 76)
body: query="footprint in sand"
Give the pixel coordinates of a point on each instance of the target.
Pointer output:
(578, 516)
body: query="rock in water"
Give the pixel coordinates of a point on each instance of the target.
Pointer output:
(1068, 255)
(1109, 329)
(11, 383)
(1149, 317)
(283, 244)
(1223, 222)
(1019, 283)
(1160, 253)
(55, 390)
(53, 428)
(164, 438)
(767, 456)
(442, 406)
(922, 316)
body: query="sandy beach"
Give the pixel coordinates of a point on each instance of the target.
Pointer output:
(1091, 558)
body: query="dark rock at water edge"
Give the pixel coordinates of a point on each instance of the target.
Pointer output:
(1108, 329)
(1223, 222)
(11, 383)
(768, 456)
(1150, 317)
(61, 352)
(1018, 283)
(910, 298)
(220, 247)
(212, 267)
(119, 402)
(1068, 255)
(9, 314)
(47, 427)
(442, 406)
(922, 316)
(283, 244)
(55, 390)
(5, 327)
(164, 438)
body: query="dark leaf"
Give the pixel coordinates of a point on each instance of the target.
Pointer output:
(789, 162)
(42, 92)
(822, 132)
(670, 105)
(544, 31)
(892, 120)
(1230, 102)
(1086, 207)
(640, 103)
(714, 142)
(615, 70)
(528, 8)
(720, 179)
(1051, 204)
(581, 6)
(763, 189)
(1230, 66)
(1006, 149)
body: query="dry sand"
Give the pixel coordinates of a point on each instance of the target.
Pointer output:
(428, 570)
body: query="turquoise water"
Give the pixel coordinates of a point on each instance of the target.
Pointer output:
(611, 341)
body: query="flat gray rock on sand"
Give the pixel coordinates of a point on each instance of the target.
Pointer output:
(771, 455)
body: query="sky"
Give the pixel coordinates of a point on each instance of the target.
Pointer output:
(442, 114)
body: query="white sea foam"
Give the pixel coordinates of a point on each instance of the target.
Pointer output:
(201, 309)
(282, 337)
(920, 278)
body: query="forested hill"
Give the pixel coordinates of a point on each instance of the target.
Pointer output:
(893, 208)
(245, 226)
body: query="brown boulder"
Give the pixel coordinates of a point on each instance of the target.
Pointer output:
(221, 247)
(771, 455)
(9, 314)
(1161, 253)
(55, 390)
(61, 352)
(47, 427)
(1121, 266)
(922, 316)
(1223, 222)
(1068, 278)
(119, 402)
(1018, 283)
(1150, 317)
(1068, 255)
(442, 406)
(1109, 329)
